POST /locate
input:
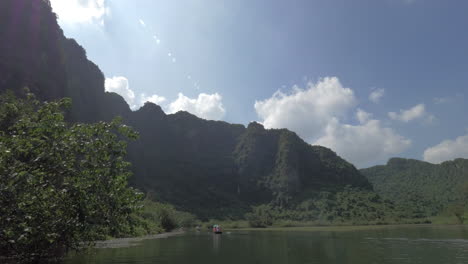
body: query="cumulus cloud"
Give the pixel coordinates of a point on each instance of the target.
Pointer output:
(363, 144)
(80, 11)
(363, 116)
(207, 106)
(317, 113)
(120, 85)
(447, 150)
(306, 111)
(417, 111)
(155, 99)
(376, 95)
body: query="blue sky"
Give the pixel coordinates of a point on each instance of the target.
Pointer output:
(370, 79)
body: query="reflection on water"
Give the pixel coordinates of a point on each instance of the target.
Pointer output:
(416, 244)
(216, 241)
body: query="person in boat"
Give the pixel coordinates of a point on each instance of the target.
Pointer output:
(217, 229)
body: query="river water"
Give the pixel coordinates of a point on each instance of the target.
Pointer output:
(392, 244)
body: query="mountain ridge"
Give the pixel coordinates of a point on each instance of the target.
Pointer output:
(211, 168)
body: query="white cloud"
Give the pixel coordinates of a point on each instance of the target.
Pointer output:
(447, 150)
(119, 85)
(80, 11)
(363, 144)
(155, 99)
(142, 23)
(415, 112)
(306, 111)
(376, 95)
(316, 114)
(363, 116)
(207, 106)
(442, 100)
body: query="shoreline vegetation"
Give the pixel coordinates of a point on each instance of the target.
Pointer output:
(244, 224)
(339, 228)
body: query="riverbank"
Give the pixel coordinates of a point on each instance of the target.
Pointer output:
(134, 241)
(244, 224)
(345, 228)
(327, 228)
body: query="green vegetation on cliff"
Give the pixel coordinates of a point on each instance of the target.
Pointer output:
(349, 206)
(418, 187)
(226, 168)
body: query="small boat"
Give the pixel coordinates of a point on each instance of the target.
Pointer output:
(217, 229)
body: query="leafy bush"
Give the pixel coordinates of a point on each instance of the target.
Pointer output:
(261, 216)
(60, 184)
(157, 217)
(185, 219)
(457, 210)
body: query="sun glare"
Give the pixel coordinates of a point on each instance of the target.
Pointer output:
(80, 11)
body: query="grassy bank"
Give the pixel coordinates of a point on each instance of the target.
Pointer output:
(349, 228)
(328, 226)
(447, 219)
(133, 241)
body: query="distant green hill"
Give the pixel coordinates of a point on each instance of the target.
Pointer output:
(425, 187)
(211, 168)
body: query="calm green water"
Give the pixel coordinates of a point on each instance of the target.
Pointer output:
(416, 244)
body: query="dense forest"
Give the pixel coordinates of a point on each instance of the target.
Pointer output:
(424, 188)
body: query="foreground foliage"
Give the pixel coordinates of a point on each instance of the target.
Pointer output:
(60, 184)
